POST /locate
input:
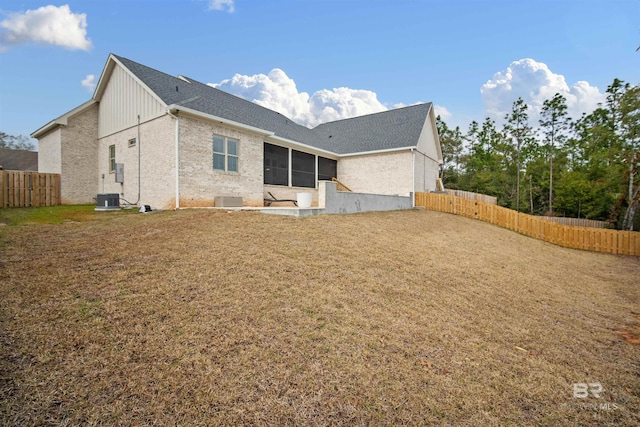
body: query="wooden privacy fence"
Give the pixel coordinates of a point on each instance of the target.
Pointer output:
(591, 239)
(473, 196)
(20, 189)
(577, 222)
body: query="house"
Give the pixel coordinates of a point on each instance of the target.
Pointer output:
(18, 160)
(174, 142)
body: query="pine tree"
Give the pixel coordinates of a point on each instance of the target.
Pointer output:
(554, 123)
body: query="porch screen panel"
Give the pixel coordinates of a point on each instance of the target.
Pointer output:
(327, 169)
(303, 169)
(276, 165)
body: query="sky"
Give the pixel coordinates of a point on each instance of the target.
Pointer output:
(322, 60)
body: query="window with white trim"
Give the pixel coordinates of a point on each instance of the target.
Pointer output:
(112, 158)
(225, 153)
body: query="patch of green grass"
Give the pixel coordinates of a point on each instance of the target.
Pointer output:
(53, 214)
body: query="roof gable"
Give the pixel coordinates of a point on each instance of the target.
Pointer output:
(129, 67)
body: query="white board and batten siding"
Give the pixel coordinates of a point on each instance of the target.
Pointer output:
(123, 100)
(426, 165)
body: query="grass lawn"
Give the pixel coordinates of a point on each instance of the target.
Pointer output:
(202, 317)
(54, 214)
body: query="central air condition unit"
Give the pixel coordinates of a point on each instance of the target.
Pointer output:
(107, 202)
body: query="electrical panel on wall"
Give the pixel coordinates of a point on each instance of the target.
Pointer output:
(120, 172)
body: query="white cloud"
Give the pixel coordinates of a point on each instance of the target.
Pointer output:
(89, 82)
(222, 5)
(48, 24)
(279, 92)
(534, 82)
(441, 111)
(342, 103)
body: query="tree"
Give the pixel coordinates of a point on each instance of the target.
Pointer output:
(451, 144)
(591, 151)
(554, 123)
(588, 168)
(520, 134)
(19, 142)
(630, 136)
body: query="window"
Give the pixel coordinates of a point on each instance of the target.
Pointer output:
(112, 158)
(276, 165)
(327, 169)
(132, 142)
(303, 169)
(225, 153)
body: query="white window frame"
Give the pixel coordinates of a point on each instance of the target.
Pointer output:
(226, 154)
(112, 159)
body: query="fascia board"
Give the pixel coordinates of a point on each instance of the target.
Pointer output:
(387, 150)
(432, 117)
(104, 76)
(174, 108)
(62, 120)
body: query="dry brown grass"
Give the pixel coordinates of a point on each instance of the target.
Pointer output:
(207, 317)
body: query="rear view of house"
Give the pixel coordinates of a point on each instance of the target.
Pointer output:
(174, 142)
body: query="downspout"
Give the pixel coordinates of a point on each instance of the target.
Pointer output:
(413, 178)
(139, 171)
(177, 157)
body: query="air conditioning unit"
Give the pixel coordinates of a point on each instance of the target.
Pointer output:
(108, 202)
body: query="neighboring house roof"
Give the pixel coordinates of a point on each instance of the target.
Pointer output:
(18, 160)
(392, 129)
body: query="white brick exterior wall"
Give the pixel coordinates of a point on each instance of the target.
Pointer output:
(50, 152)
(74, 152)
(157, 161)
(382, 173)
(71, 151)
(199, 183)
(79, 157)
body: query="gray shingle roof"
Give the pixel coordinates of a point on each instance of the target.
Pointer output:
(397, 128)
